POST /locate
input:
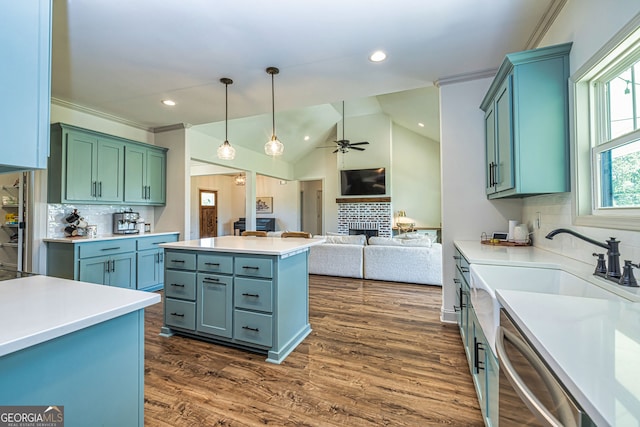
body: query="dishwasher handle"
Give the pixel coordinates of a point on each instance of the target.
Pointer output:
(532, 402)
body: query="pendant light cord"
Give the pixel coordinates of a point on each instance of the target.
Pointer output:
(226, 110)
(273, 109)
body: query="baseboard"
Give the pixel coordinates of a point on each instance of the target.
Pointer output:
(448, 316)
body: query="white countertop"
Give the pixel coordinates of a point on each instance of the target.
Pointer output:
(247, 244)
(530, 256)
(39, 308)
(83, 239)
(592, 345)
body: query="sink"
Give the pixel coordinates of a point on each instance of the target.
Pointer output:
(485, 279)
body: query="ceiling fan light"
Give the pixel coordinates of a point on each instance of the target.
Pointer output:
(274, 147)
(226, 151)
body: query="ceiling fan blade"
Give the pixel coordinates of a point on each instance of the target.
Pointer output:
(327, 146)
(360, 143)
(357, 148)
(335, 151)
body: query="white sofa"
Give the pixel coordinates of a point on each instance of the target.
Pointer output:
(338, 256)
(403, 260)
(397, 260)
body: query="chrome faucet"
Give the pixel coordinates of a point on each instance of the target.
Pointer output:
(613, 254)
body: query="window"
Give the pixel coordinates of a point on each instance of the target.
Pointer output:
(607, 134)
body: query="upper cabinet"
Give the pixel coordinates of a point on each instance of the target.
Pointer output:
(91, 167)
(25, 84)
(527, 124)
(145, 175)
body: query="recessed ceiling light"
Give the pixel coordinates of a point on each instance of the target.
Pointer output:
(306, 138)
(421, 125)
(378, 56)
(168, 102)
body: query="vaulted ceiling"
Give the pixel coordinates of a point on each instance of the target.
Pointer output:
(121, 58)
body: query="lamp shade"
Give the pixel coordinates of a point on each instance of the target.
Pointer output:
(226, 151)
(274, 147)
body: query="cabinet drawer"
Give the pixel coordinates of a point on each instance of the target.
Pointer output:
(180, 260)
(180, 284)
(181, 314)
(106, 247)
(253, 294)
(252, 327)
(214, 278)
(256, 267)
(215, 263)
(152, 242)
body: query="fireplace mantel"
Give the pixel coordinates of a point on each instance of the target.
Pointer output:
(364, 200)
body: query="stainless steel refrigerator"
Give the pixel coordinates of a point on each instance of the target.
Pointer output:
(15, 207)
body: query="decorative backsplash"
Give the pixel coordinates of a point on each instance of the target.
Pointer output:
(374, 213)
(99, 215)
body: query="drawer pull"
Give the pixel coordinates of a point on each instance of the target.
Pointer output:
(250, 267)
(177, 314)
(211, 279)
(217, 264)
(251, 295)
(456, 257)
(110, 249)
(178, 260)
(251, 329)
(179, 285)
(464, 269)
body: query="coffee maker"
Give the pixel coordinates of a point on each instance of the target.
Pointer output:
(125, 222)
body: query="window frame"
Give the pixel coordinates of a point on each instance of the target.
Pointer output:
(587, 108)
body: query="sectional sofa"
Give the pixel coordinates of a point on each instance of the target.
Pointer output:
(413, 259)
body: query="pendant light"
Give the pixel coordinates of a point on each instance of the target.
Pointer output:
(273, 147)
(225, 150)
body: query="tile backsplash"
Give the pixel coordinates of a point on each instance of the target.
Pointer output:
(99, 215)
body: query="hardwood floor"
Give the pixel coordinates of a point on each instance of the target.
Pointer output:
(378, 355)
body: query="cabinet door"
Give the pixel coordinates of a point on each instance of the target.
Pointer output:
(95, 270)
(123, 271)
(80, 166)
(25, 81)
(490, 144)
(134, 173)
(147, 268)
(156, 177)
(110, 167)
(504, 174)
(214, 306)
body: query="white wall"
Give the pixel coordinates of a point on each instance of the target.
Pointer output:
(416, 177)
(466, 212)
(312, 207)
(230, 202)
(581, 22)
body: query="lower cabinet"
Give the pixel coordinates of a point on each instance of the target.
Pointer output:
(116, 270)
(483, 364)
(232, 298)
(133, 262)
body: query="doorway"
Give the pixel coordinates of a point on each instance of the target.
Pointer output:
(311, 206)
(208, 213)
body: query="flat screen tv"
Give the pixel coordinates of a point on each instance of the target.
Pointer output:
(362, 182)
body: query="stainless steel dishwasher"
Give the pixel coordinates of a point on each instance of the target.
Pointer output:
(529, 393)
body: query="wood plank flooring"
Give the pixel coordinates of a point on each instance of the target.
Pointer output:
(378, 355)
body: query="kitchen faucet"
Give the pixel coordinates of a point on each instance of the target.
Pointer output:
(613, 254)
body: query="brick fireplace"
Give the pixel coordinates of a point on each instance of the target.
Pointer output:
(370, 216)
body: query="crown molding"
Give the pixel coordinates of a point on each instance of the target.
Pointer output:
(545, 23)
(100, 114)
(466, 77)
(169, 128)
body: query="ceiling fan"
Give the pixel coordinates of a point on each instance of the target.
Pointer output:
(343, 145)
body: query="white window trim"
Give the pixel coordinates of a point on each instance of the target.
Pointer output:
(582, 187)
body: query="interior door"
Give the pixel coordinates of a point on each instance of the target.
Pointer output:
(208, 213)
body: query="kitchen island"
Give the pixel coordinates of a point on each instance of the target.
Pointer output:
(247, 292)
(74, 345)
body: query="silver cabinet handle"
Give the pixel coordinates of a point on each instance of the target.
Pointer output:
(532, 402)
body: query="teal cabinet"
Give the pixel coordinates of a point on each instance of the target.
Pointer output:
(214, 305)
(145, 175)
(25, 80)
(115, 270)
(150, 261)
(259, 302)
(95, 168)
(527, 124)
(133, 262)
